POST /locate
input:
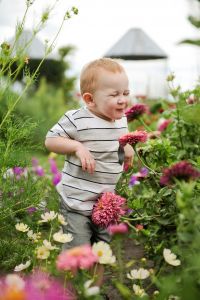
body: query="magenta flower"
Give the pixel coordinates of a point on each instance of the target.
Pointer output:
(81, 257)
(31, 210)
(56, 178)
(133, 181)
(39, 171)
(132, 138)
(163, 124)
(182, 170)
(34, 162)
(41, 286)
(118, 228)
(136, 111)
(53, 166)
(108, 209)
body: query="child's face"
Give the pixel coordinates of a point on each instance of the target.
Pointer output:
(111, 97)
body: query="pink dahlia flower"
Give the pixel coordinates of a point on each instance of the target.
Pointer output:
(182, 170)
(136, 111)
(163, 124)
(108, 209)
(118, 228)
(132, 138)
(76, 258)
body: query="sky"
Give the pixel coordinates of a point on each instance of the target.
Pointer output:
(100, 23)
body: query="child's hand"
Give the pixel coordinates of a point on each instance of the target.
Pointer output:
(87, 160)
(128, 156)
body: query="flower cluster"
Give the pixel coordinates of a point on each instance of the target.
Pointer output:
(182, 170)
(81, 257)
(108, 209)
(132, 138)
(135, 111)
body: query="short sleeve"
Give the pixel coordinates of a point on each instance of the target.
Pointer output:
(65, 127)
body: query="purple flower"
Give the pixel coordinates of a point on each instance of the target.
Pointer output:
(39, 171)
(53, 166)
(31, 209)
(133, 181)
(56, 178)
(182, 170)
(35, 162)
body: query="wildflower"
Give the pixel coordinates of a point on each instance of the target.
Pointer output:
(133, 181)
(104, 253)
(15, 282)
(142, 173)
(42, 252)
(61, 219)
(108, 209)
(170, 258)
(31, 210)
(56, 178)
(48, 245)
(40, 286)
(53, 166)
(48, 216)
(138, 291)
(118, 228)
(33, 236)
(163, 124)
(62, 237)
(34, 162)
(139, 227)
(22, 227)
(132, 138)
(81, 257)
(182, 170)
(192, 99)
(22, 266)
(39, 171)
(138, 274)
(91, 290)
(135, 111)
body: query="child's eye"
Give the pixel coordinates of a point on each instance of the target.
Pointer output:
(113, 95)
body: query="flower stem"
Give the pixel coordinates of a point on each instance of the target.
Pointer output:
(141, 160)
(144, 124)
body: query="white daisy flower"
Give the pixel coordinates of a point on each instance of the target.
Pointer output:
(48, 245)
(170, 258)
(62, 237)
(138, 274)
(138, 291)
(22, 266)
(42, 252)
(22, 227)
(61, 219)
(91, 290)
(104, 253)
(48, 216)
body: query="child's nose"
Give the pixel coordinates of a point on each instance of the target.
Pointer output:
(122, 100)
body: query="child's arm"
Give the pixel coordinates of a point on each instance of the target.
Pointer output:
(62, 145)
(128, 155)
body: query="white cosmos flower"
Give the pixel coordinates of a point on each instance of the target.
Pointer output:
(15, 281)
(170, 258)
(22, 227)
(138, 274)
(48, 245)
(62, 237)
(138, 291)
(61, 219)
(104, 253)
(42, 252)
(33, 236)
(22, 266)
(48, 216)
(90, 290)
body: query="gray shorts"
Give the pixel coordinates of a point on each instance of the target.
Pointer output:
(83, 230)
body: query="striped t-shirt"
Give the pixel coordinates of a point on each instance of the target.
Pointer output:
(78, 189)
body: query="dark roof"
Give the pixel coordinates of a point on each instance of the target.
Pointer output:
(136, 45)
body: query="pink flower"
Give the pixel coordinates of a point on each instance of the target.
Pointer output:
(39, 171)
(163, 124)
(182, 170)
(118, 228)
(76, 258)
(139, 226)
(136, 111)
(108, 209)
(132, 138)
(34, 162)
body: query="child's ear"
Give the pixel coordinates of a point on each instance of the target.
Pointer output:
(88, 98)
